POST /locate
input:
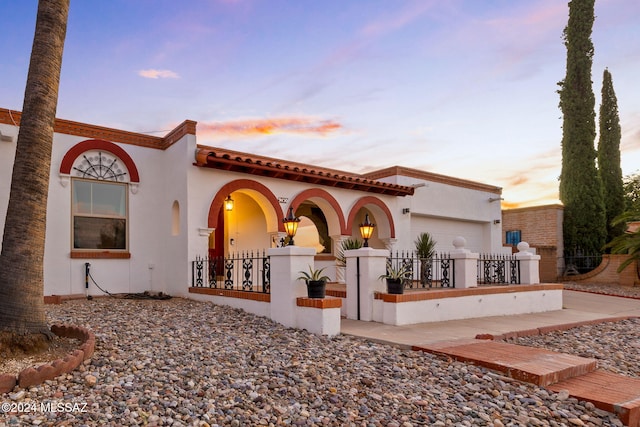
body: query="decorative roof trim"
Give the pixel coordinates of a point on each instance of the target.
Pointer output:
(433, 177)
(68, 127)
(534, 208)
(219, 158)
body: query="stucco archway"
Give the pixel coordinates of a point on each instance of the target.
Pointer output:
(329, 205)
(265, 198)
(382, 216)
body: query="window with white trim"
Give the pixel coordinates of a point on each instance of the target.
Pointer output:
(99, 203)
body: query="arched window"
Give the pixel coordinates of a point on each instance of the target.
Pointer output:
(99, 202)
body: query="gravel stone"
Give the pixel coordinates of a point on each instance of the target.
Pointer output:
(185, 363)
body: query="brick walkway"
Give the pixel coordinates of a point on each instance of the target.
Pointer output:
(557, 371)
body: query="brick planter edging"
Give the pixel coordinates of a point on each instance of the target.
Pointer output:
(48, 371)
(547, 329)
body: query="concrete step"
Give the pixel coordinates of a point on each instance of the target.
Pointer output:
(532, 365)
(608, 391)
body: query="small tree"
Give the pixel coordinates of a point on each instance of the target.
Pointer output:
(426, 248)
(609, 157)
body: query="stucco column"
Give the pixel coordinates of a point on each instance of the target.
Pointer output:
(286, 264)
(390, 243)
(465, 265)
(364, 267)
(529, 265)
(337, 244)
(277, 238)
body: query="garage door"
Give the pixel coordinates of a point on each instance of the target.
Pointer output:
(445, 230)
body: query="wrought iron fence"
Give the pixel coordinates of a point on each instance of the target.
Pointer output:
(578, 262)
(245, 271)
(498, 269)
(435, 272)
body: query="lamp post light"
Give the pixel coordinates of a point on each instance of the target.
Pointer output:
(366, 230)
(228, 203)
(291, 225)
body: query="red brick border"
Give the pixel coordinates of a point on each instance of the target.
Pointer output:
(456, 293)
(254, 296)
(320, 303)
(47, 371)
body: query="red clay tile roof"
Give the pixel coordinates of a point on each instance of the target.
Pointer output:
(220, 158)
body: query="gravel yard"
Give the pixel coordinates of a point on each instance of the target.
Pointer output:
(181, 362)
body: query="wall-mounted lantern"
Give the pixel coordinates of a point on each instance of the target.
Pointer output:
(291, 225)
(228, 203)
(366, 230)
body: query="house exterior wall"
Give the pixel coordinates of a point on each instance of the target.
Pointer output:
(170, 212)
(446, 208)
(150, 241)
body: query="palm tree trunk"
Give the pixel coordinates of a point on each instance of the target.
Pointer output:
(21, 259)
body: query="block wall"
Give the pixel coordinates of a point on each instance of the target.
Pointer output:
(541, 227)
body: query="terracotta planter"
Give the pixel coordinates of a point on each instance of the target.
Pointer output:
(316, 288)
(395, 286)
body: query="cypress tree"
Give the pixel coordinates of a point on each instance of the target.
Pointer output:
(609, 157)
(584, 225)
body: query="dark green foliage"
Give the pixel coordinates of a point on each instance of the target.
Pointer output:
(609, 157)
(425, 245)
(632, 193)
(626, 243)
(580, 186)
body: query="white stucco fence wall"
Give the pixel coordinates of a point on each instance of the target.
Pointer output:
(468, 307)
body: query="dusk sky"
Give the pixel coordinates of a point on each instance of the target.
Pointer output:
(465, 88)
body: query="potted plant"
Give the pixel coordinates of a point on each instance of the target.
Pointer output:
(316, 282)
(395, 277)
(425, 248)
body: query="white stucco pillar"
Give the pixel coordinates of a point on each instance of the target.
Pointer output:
(529, 265)
(277, 238)
(390, 243)
(364, 267)
(465, 265)
(286, 264)
(337, 244)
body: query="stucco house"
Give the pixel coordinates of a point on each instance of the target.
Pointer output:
(140, 208)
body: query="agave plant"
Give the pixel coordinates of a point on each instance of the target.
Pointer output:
(401, 272)
(346, 245)
(313, 275)
(425, 246)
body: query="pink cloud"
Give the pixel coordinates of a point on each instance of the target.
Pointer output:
(158, 74)
(261, 127)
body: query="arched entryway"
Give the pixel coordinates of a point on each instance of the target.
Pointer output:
(321, 213)
(251, 222)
